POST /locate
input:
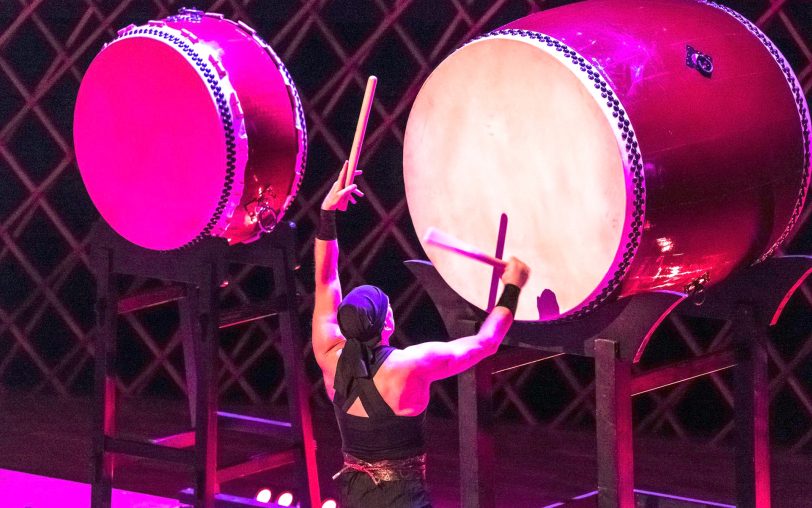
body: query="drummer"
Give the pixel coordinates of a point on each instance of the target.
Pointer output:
(379, 392)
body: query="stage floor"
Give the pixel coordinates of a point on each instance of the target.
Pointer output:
(23, 490)
(50, 437)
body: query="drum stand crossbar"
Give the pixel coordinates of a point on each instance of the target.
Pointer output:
(616, 335)
(196, 274)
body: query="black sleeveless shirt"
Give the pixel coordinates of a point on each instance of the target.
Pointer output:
(382, 434)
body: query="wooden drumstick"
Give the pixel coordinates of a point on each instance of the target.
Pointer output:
(448, 242)
(360, 130)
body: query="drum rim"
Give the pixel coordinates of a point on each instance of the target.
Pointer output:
(804, 116)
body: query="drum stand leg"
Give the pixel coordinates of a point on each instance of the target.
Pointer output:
(614, 427)
(200, 356)
(477, 454)
(190, 344)
(104, 410)
(204, 332)
(752, 400)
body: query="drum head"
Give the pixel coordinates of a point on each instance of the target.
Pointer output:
(504, 126)
(150, 143)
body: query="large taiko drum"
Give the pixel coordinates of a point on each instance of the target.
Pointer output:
(631, 145)
(186, 127)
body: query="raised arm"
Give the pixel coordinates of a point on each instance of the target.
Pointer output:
(326, 335)
(431, 361)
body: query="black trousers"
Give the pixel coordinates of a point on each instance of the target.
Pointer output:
(359, 491)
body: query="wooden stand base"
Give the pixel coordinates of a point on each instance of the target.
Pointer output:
(196, 274)
(616, 335)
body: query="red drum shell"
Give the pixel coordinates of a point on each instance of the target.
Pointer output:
(717, 166)
(187, 127)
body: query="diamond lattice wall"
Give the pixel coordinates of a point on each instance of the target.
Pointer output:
(46, 290)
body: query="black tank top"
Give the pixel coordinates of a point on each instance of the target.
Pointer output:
(382, 434)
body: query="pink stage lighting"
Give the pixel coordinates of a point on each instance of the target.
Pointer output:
(263, 496)
(285, 499)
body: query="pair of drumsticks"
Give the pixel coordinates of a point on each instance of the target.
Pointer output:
(432, 236)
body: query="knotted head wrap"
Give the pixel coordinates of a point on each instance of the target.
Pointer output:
(362, 313)
(361, 317)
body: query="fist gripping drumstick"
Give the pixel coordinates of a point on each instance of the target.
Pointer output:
(360, 130)
(448, 242)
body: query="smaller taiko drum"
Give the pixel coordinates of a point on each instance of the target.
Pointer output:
(188, 127)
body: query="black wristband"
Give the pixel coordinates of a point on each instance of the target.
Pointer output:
(327, 226)
(509, 298)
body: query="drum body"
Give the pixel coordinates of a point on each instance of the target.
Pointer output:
(187, 127)
(630, 145)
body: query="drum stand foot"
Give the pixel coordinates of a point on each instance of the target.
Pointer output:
(196, 274)
(616, 335)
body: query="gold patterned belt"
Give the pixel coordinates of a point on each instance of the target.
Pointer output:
(413, 468)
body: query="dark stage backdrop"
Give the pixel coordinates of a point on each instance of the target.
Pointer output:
(330, 47)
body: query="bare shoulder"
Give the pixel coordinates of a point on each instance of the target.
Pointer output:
(404, 368)
(401, 385)
(398, 363)
(410, 357)
(410, 362)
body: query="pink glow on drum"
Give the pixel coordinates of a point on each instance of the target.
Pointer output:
(151, 175)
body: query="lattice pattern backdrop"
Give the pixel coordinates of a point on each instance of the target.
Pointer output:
(46, 289)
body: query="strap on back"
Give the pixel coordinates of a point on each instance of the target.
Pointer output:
(364, 388)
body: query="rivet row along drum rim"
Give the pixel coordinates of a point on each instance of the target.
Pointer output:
(803, 112)
(220, 90)
(630, 154)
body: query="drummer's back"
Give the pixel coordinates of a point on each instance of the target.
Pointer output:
(404, 379)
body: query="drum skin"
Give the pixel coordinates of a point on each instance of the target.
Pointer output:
(716, 166)
(188, 127)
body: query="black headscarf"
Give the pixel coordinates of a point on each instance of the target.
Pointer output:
(361, 318)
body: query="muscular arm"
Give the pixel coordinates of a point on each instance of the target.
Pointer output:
(326, 335)
(432, 361)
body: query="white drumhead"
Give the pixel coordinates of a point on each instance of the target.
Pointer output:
(507, 125)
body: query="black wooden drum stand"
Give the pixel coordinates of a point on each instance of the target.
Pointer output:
(616, 335)
(196, 274)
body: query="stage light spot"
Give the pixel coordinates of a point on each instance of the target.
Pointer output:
(329, 504)
(264, 495)
(286, 499)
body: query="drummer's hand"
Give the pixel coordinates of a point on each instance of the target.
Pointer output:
(339, 196)
(516, 273)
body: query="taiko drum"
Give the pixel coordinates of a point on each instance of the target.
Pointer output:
(630, 146)
(187, 127)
